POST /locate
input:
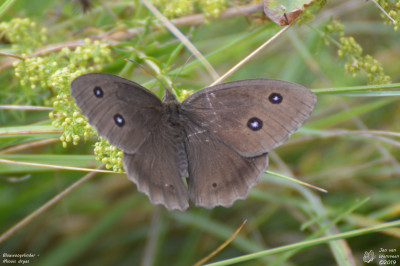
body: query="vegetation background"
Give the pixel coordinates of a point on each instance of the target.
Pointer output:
(346, 51)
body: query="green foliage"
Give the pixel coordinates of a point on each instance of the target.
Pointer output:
(176, 8)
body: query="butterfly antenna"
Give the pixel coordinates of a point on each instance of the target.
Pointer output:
(142, 67)
(167, 94)
(146, 71)
(180, 70)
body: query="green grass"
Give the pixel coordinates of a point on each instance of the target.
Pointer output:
(349, 146)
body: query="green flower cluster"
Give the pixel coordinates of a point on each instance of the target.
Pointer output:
(66, 114)
(356, 62)
(334, 28)
(394, 13)
(24, 34)
(353, 53)
(177, 8)
(109, 155)
(54, 73)
(83, 59)
(46, 79)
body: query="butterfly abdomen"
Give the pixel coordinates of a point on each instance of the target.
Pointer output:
(172, 117)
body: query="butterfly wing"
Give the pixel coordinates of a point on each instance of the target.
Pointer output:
(251, 116)
(122, 111)
(218, 175)
(157, 167)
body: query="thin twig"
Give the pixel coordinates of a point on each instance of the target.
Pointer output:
(247, 58)
(27, 132)
(312, 242)
(221, 247)
(335, 132)
(45, 206)
(54, 166)
(179, 35)
(12, 55)
(297, 181)
(29, 145)
(154, 233)
(26, 107)
(384, 12)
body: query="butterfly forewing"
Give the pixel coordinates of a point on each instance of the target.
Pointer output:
(122, 111)
(251, 116)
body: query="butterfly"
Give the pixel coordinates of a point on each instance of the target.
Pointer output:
(211, 148)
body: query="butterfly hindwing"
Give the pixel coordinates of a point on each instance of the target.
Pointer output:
(218, 175)
(155, 168)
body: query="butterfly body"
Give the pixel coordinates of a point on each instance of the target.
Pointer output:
(174, 128)
(217, 139)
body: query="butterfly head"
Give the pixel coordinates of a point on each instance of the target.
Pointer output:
(169, 97)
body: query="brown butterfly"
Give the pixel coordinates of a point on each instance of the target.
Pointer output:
(216, 140)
